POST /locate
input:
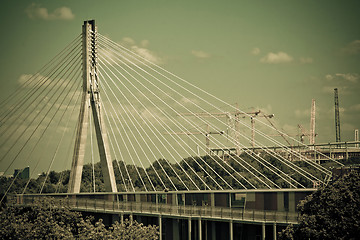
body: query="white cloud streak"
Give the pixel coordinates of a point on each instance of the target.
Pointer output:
(142, 50)
(275, 58)
(343, 77)
(35, 11)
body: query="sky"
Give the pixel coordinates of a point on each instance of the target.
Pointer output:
(271, 55)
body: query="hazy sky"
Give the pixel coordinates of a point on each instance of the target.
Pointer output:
(272, 55)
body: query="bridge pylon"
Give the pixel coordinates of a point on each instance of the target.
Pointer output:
(90, 101)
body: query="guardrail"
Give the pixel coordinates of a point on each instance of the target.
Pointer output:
(149, 208)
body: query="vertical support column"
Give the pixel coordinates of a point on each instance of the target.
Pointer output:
(160, 227)
(83, 119)
(263, 231)
(189, 229)
(200, 228)
(99, 124)
(231, 230)
(274, 232)
(91, 98)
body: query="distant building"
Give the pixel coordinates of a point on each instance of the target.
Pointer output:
(22, 173)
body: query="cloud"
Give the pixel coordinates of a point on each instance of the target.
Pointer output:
(352, 48)
(255, 51)
(305, 60)
(200, 54)
(274, 58)
(343, 77)
(35, 11)
(348, 76)
(142, 50)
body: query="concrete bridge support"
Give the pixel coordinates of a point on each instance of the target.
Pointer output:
(90, 102)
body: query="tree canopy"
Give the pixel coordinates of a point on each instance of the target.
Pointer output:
(332, 212)
(48, 220)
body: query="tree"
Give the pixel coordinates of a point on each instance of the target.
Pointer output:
(50, 219)
(332, 212)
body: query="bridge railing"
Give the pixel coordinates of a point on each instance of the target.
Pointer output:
(211, 212)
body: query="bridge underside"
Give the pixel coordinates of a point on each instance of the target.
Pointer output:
(192, 214)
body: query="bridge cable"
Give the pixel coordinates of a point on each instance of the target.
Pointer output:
(139, 102)
(136, 79)
(30, 80)
(126, 110)
(40, 138)
(177, 77)
(52, 84)
(118, 100)
(23, 102)
(28, 139)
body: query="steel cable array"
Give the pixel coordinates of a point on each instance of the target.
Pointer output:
(158, 140)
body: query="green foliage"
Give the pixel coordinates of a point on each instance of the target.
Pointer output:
(191, 172)
(332, 212)
(50, 220)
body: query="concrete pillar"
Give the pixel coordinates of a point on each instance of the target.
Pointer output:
(263, 231)
(274, 232)
(231, 230)
(200, 228)
(189, 228)
(121, 218)
(160, 227)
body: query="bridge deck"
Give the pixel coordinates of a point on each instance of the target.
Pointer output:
(172, 211)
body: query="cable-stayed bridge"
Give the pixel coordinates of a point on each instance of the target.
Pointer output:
(155, 135)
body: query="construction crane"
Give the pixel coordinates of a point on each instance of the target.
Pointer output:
(228, 115)
(237, 115)
(337, 116)
(267, 117)
(304, 133)
(206, 133)
(253, 125)
(312, 123)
